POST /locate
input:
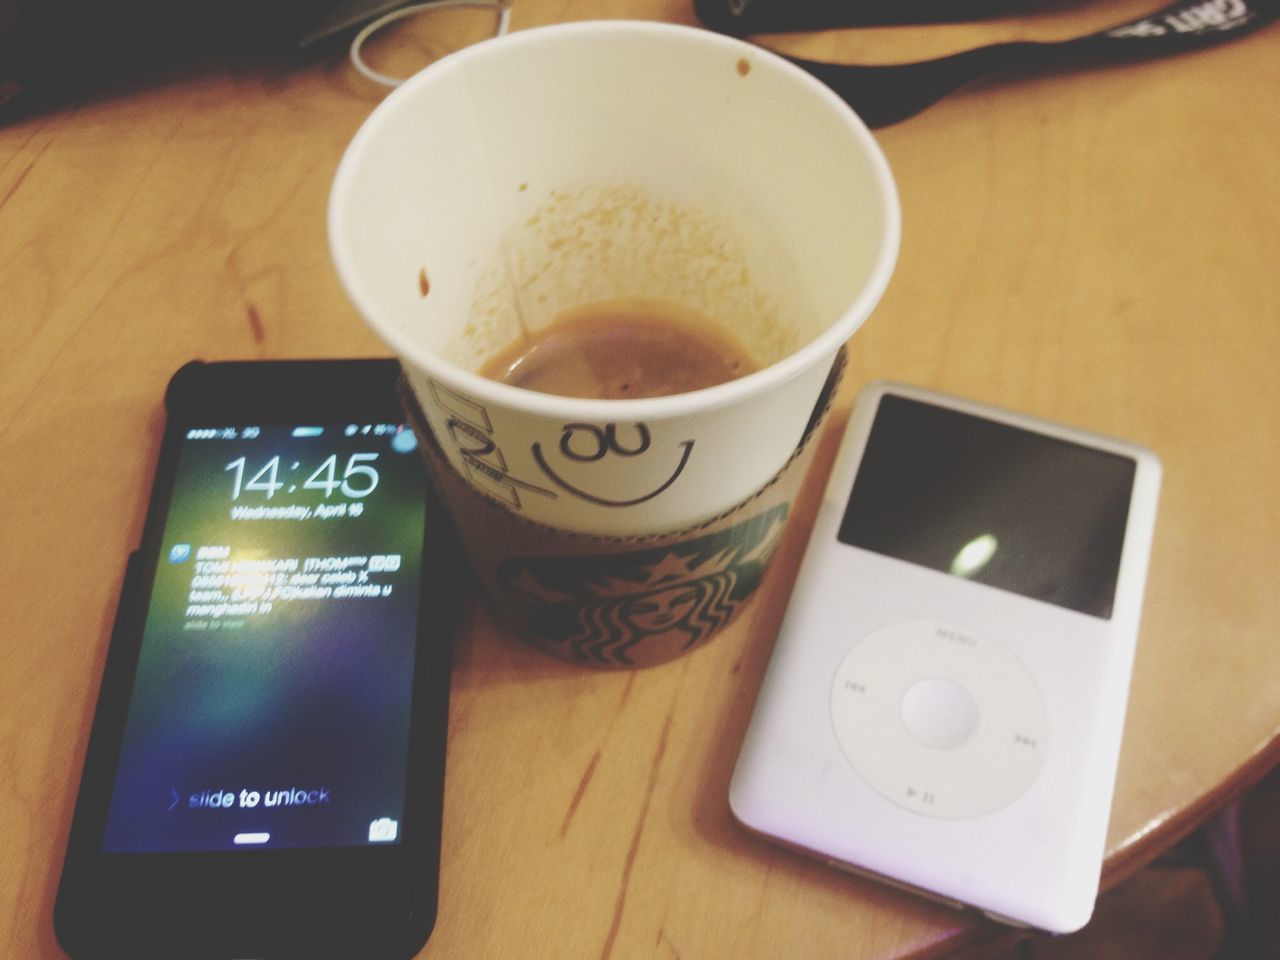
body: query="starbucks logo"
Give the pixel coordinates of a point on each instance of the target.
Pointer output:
(644, 606)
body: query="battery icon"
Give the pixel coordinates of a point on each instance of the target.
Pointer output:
(308, 431)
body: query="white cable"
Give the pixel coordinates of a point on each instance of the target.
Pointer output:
(503, 8)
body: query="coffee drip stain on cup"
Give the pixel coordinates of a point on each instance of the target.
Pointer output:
(622, 350)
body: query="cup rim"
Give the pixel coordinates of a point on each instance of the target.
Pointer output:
(794, 364)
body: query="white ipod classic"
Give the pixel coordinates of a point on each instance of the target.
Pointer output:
(945, 703)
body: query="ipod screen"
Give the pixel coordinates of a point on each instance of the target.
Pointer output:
(1016, 510)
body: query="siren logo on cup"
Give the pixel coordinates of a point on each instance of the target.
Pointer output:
(642, 606)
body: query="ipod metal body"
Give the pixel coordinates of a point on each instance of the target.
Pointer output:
(945, 703)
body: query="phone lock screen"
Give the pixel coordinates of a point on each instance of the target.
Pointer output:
(271, 703)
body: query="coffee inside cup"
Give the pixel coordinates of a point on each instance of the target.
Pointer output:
(623, 258)
(622, 350)
(550, 169)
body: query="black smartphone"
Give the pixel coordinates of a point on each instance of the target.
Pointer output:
(265, 771)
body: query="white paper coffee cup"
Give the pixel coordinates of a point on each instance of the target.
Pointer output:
(566, 165)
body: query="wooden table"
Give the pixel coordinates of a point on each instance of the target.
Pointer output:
(1101, 248)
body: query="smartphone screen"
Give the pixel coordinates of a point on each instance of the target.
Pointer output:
(270, 707)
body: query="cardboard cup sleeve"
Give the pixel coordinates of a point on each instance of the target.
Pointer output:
(617, 602)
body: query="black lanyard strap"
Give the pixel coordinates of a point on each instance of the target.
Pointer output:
(886, 94)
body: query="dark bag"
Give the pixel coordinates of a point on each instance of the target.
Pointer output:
(57, 51)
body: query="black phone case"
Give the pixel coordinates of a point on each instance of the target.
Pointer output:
(79, 935)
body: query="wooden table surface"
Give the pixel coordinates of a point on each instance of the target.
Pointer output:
(1098, 247)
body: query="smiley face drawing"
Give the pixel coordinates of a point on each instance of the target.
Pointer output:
(582, 443)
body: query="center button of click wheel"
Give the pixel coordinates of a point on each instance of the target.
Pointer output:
(939, 713)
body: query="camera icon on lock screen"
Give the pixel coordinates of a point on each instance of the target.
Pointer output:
(383, 830)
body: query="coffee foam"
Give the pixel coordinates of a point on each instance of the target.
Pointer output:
(598, 243)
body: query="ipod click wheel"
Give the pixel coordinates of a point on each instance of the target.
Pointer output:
(945, 702)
